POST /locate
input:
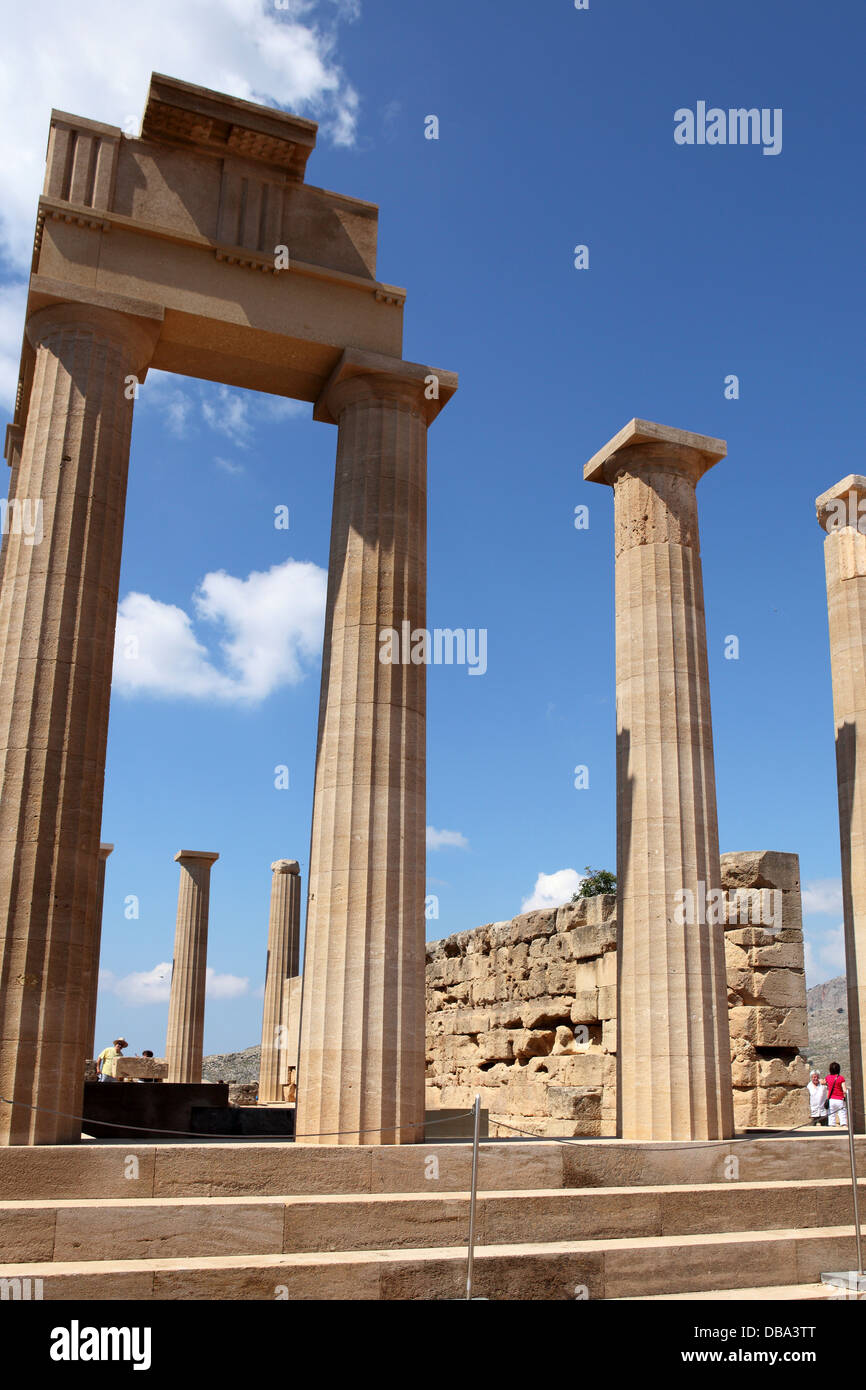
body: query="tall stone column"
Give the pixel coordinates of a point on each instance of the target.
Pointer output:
(92, 953)
(674, 1054)
(184, 1042)
(284, 930)
(362, 1014)
(845, 562)
(58, 608)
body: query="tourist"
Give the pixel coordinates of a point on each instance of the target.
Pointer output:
(836, 1094)
(106, 1062)
(817, 1099)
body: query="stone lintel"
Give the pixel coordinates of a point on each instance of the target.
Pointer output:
(207, 854)
(183, 113)
(285, 866)
(853, 486)
(65, 118)
(708, 450)
(357, 363)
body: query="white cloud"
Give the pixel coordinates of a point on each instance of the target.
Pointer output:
(154, 986)
(229, 466)
(552, 890)
(141, 987)
(13, 298)
(270, 626)
(225, 986)
(823, 895)
(824, 953)
(445, 839)
(181, 402)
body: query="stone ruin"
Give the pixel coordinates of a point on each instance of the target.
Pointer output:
(524, 1012)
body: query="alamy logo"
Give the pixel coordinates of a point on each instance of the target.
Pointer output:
(22, 517)
(736, 126)
(77, 1343)
(443, 646)
(20, 1289)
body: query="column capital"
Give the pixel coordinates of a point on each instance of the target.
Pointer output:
(285, 866)
(363, 375)
(104, 851)
(839, 506)
(134, 334)
(644, 444)
(184, 854)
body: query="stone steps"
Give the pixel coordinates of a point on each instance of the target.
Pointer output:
(88, 1229)
(121, 1170)
(557, 1271)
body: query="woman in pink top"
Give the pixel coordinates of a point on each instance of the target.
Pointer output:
(836, 1093)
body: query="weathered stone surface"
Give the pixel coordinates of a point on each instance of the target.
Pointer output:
(533, 1053)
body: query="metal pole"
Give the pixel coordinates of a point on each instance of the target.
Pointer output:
(472, 1195)
(860, 1270)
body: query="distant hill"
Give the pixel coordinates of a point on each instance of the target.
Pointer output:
(827, 1016)
(232, 1066)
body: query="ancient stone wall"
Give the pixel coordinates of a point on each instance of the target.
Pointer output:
(524, 1012)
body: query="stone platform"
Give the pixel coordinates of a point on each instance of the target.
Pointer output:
(596, 1218)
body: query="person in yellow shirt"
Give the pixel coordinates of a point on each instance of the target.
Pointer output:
(106, 1062)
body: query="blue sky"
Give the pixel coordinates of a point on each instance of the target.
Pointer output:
(556, 129)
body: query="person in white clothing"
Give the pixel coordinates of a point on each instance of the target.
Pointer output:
(817, 1099)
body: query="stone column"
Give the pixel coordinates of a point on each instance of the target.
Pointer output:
(674, 1052)
(845, 562)
(184, 1042)
(283, 961)
(92, 954)
(58, 608)
(362, 1015)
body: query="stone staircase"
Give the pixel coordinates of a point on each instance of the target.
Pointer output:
(756, 1218)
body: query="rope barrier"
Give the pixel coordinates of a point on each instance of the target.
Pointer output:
(190, 1134)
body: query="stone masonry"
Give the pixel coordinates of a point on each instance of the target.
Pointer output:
(524, 1012)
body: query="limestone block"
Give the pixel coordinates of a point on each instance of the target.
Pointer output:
(560, 978)
(501, 934)
(601, 909)
(470, 1021)
(761, 869)
(484, 991)
(495, 1046)
(534, 1042)
(585, 1069)
(608, 1071)
(571, 915)
(558, 948)
(781, 1071)
(736, 957)
(584, 1008)
(769, 1027)
(607, 1001)
(778, 988)
(506, 1014)
(744, 1073)
(608, 1035)
(781, 955)
(781, 1107)
(574, 1102)
(565, 1043)
(532, 924)
(607, 970)
(586, 974)
(593, 940)
(751, 936)
(459, 1049)
(545, 1013)
(745, 1109)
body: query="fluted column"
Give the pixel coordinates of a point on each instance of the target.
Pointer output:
(184, 1042)
(674, 1063)
(845, 563)
(91, 954)
(58, 608)
(362, 1015)
(283, 961)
